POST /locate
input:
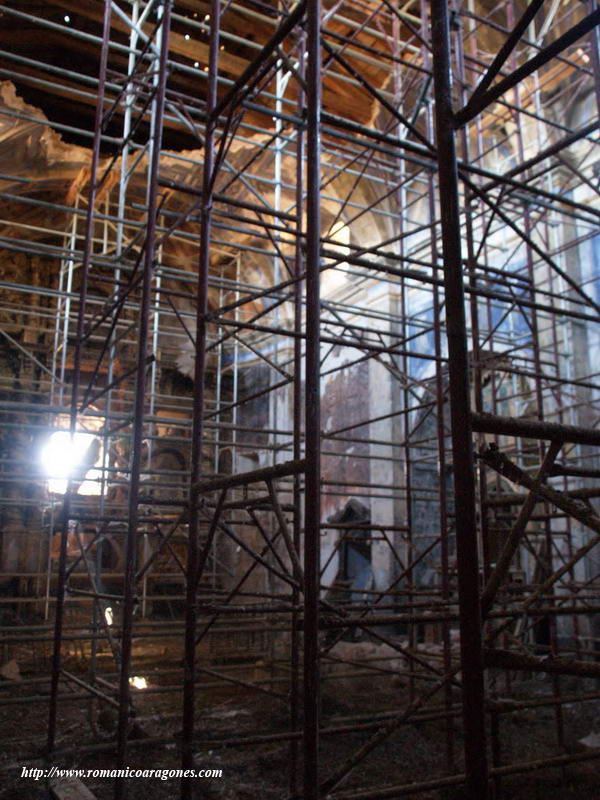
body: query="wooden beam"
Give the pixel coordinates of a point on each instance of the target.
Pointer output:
(189, 48)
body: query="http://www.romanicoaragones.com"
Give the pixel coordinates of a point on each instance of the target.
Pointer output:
(51, 773)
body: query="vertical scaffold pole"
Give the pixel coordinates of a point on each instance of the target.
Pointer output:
(312, 498)
(76, 379)
(137, 438)
(471, 653)
(193, 561)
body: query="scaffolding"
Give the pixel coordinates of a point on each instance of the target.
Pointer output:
(399, 312)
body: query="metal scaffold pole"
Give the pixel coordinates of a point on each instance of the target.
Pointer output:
(197, 557)
(471, 648)
(312, 489)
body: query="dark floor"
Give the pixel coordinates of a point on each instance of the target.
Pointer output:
(414, 752)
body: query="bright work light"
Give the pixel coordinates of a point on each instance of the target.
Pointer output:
(65, 456)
